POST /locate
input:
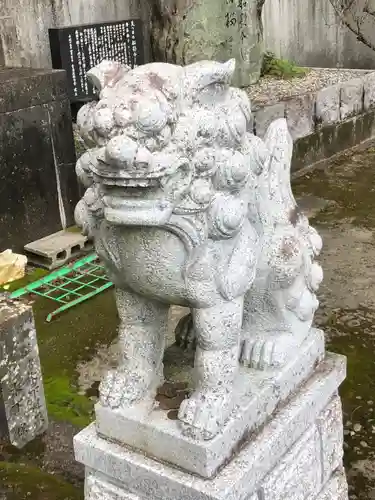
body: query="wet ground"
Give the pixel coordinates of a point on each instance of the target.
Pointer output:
(76, 346)
(341, 203)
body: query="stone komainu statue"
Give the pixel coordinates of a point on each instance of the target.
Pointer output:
(188, 207)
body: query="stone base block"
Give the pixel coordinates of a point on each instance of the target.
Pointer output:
(257, 394)
(296, 455)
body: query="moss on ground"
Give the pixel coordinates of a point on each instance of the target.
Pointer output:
(349, 182)
(64, 403)
(22, 482)
(32, 275)
(352, 334)
(69, 339)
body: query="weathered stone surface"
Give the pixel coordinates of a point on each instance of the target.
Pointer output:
(22, 88)
(187, 207)
(331, 433)
(369, 91)
(98, 488)
(265, 116)
(299, 114)
(351, 98)
(24, 25)
(186, 32)
(284, 456)
(257, 395)
(336, 488)
(328, 106)
(298, 474)
(38, 188)
(324, 143)
(23, 408)
(203, 216)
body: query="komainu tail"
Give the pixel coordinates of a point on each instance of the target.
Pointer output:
(276, 202)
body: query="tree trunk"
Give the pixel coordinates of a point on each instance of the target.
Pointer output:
(186, 31)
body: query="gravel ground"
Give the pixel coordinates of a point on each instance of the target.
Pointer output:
(270, 90)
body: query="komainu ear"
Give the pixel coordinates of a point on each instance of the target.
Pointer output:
(106, 74)
(201, 74)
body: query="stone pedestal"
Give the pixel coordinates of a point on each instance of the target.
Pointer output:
(284, 441)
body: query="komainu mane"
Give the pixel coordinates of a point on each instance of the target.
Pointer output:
(188, 207)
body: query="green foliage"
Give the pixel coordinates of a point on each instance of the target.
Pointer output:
(281, 68)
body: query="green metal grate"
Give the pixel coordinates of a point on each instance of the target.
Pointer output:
(69, 285)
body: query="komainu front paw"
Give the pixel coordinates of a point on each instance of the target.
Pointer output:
(205, 413)
(269, 351)
(122, 388)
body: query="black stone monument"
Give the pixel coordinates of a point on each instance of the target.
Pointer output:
(38, 187)
(77, 49)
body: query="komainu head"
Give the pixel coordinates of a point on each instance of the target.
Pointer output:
(180, 135)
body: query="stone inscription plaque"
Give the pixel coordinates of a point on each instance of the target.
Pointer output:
(77, 49)
(23, 413)
(237, 19)
(243, 37)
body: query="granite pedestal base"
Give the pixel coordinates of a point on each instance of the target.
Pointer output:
(295, 455)
(257, 394)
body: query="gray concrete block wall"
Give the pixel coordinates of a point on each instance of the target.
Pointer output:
(326, 122)
(24, 25)
(310, 112)
(308, 32)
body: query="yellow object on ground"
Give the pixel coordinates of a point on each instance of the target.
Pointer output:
(12, 266)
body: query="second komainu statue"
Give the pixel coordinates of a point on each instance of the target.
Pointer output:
(188, 207)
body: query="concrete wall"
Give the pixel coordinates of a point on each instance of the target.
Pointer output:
(24, 24)
(307, 32)
(302, 30)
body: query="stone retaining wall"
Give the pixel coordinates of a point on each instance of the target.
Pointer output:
(325, 122)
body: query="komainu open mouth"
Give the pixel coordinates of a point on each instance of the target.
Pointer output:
(137, 211)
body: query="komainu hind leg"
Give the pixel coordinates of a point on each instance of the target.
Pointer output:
(273, 335)
(270, 350)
